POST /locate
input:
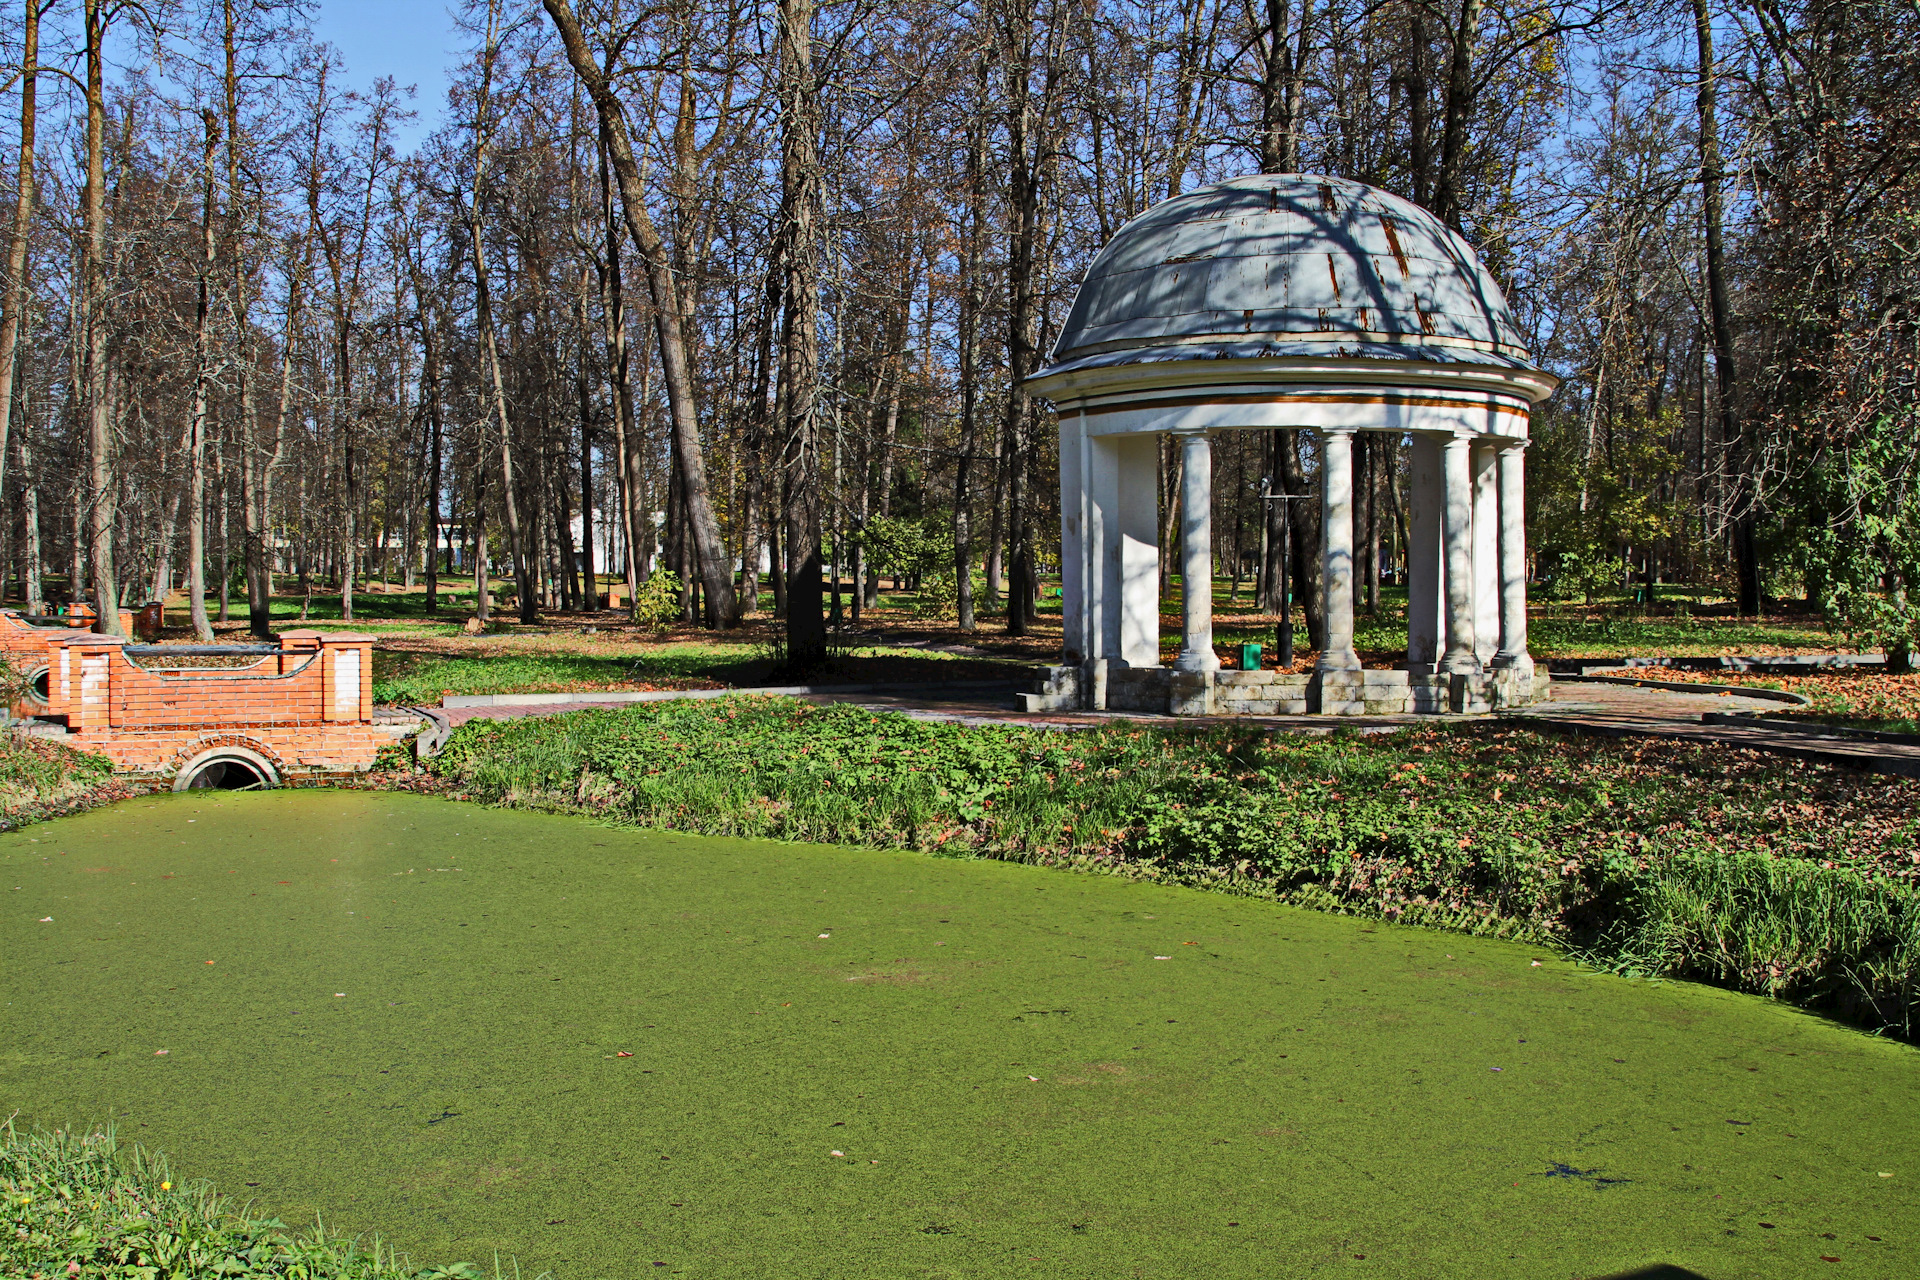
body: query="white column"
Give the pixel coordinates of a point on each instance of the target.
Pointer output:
(1075, 616)
(1426, 561)
(1196, 553)
(1130, 604)
(1486, 553)
(1513, 560)
(1456, 471)
(1336, 510)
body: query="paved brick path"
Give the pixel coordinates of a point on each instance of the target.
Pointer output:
(1610, 710)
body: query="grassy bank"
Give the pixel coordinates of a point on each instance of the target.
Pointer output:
(40, 779)
(78, 1204)
(1654, 858)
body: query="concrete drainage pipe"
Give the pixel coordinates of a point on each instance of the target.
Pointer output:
(226, 769)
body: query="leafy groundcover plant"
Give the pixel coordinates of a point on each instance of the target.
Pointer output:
(78, 1205)
(39, 779)
(1655, 858)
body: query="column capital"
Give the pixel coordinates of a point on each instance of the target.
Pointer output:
(1191, 432)
(1337, 431)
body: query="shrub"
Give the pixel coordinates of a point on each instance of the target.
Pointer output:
(657, 602)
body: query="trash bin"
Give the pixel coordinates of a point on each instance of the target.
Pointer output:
(1249, 657)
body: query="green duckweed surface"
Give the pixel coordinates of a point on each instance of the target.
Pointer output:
(852, 1063)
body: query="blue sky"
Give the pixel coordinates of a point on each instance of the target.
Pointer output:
(410, 40)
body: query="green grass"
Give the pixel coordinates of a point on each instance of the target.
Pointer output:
(410, 678)
(1596, 846)
(1627, 636)
(417, 1012)
(79, 1204)
(413, 679)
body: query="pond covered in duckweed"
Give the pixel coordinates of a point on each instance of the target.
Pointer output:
(608, 1052)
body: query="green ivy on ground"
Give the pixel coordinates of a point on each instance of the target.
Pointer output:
(77, 1205)
(1798, 881)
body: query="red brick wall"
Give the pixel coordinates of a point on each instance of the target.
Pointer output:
(293, 750)
(308, 709)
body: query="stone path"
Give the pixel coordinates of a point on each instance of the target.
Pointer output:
(1606, 709)
(1619, 711)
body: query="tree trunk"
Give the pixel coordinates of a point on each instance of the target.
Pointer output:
(16, 296)
(1283, 86)
(430, 377)
(1746, 552)
(202, 386)
(32, 570)
(972, 306)
(1024, 134)
(799, 353)
(613, 305)
(668, 317)
(1448, 197)
(102, 495)
(589, 582)
(1304, 526)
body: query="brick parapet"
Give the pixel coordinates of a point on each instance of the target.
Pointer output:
(308, 707)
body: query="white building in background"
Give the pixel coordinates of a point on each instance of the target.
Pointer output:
(1297, 301)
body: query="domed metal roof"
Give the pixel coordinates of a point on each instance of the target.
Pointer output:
(1288, 264)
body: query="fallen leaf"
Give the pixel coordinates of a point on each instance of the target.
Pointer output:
(623, 1054)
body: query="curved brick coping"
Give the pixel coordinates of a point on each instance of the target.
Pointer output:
(1696, 686)
(248, 672)
(669, 695)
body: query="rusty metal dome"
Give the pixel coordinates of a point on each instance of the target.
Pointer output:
(1271, 266)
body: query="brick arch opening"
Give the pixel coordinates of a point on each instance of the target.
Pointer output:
(227, 767)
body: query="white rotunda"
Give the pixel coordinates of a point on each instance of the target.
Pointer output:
(1298, 301)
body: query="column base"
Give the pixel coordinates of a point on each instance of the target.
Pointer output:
(1338, 660)
(1461, 664)
(1520, 663)
(1197, 660)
